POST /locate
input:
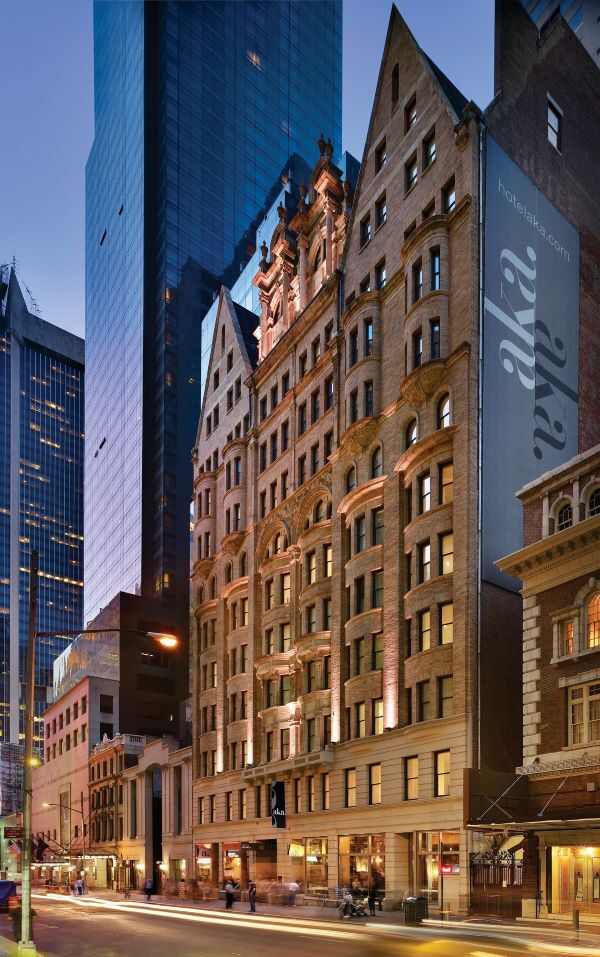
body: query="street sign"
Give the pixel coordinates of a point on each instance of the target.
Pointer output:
(14, 833)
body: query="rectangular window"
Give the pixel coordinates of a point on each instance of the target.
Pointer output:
(328, 560)
(350, 787)
(378, 716)
(229, 806)
(434, 269)
(314, 458)
(311, 568)
(237, 385)
(377, 651)
(368, 398)
(361, 665)
(424, 700)
(410, 174)
(424, 556)
(269, 745)
(365, 285)
(273, 446)
(411, 778)
(417, 277)
(328, 333)
(262, 457)
(311, 734)
(285, 435)
(315, 406)
(329, 392)
(325, 791)
(417, 349)
(380, 211)
(567, 633)
(269, 594)
(442, 773)
(286, 581)
(446, 482)
(434, 338)
(445, 696)
(242, 804)
(368, 337)
(365, 230)
(326, 614)
(360, 534)
(584, 714)
(284, 486)
(380, 156)
(446, 553)
(230, 399)
(302, 470)
(328, 444)
(377, 526)
(310, 792)
(285, 384)
(424, 620)
(353, 355)
(380, 275)
(424, 493)
(285, 743)
(311, 619)
(359, 595)
(449, 196)
(429, 153)
(302, 365)
(447, 623)
(353, 409)
(377, 588)
(297, 795)
(263, 408)
(554, 126)
(410, 114)
(374, 784)
(302, 419)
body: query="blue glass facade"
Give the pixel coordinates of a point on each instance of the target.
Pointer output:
(41, 497)
(200, 106)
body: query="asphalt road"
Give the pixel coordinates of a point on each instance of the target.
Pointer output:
(92, 927)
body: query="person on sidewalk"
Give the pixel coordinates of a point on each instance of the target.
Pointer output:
(228, 895)
(372, 898)
(79, 884)
(252, 896)
(148, 888)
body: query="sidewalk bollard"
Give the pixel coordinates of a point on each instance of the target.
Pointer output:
(576, 923)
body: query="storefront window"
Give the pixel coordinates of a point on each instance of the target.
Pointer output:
(232, 862)
(437, 857)
(362, 862)
(316, 865)
(205, 860)
(576, 879)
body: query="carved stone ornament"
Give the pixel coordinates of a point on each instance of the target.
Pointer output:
(357, 439)
(232, 543)
(423, 382)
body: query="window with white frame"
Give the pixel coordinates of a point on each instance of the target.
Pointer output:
(584, 713)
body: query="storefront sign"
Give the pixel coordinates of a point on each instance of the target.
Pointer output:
(295, 849)
(13, 833)
(530, 350)
(278, 804)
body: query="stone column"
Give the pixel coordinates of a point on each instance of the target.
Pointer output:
(545, 516)
(329, 238)
(303, 264)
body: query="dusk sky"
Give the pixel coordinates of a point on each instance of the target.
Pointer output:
(46, 73)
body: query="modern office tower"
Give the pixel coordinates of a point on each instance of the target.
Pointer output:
(200, 107)
(41, 489)
(583, 16)
(357, 652)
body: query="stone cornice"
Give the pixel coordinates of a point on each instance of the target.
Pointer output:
(535, 563)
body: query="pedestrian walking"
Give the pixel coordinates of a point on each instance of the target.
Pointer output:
(79, 886)
(372, 898)
(148, 888)
(252, 896)
(228, 895)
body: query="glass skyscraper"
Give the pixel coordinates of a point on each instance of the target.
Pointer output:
(199, 109)
(41, 496)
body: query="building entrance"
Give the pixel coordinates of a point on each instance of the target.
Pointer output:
(578, 884)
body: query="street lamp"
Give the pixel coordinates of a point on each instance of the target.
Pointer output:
(26, 944)
(76, 811)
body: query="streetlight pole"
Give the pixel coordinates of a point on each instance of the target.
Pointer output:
(83, 845)
(26, 944)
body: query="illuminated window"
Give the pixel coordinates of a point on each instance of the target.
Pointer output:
(411, 778)
(442, 773)
(374, 784)
(593, 621)
(447, 623)
(584, 713)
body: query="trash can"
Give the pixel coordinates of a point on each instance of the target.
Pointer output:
(416, 909)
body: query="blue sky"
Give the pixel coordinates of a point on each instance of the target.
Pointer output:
(46, 77)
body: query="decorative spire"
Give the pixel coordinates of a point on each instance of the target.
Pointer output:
(282, 213)
(264, 249)
(321, 144)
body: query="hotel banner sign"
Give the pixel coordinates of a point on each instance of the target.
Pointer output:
(278, 803)
(530, 350)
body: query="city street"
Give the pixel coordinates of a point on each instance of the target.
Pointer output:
(96, 927)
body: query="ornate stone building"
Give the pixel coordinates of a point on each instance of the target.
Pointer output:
(347, 657)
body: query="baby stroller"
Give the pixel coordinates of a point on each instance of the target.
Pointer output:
(350, 908)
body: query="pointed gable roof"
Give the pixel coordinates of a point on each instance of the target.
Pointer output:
(453, 99)
(244, 325)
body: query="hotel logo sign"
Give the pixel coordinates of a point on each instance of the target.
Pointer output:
(530, 349)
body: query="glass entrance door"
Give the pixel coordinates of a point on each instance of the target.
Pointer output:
(578, 878)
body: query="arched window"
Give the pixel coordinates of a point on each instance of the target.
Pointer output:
(243, 565)
(377, 462)
(213, 588)
(594, 503)
(317, 260)
(351, 478)
(228, 575)
(412, 433)
(319, 511)
(278, 544)
(564, 517)
(443, 416)
(593, 621)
